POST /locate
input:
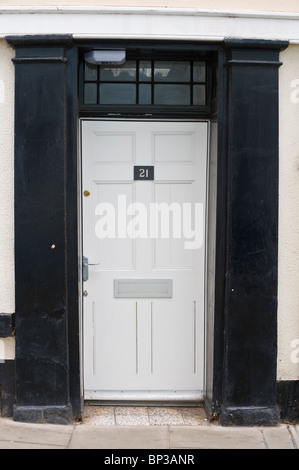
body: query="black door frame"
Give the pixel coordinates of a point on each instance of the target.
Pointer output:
(242, 371)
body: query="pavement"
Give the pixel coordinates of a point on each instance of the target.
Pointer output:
(118, 435)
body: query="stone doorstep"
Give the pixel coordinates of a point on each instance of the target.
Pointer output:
(144, 415)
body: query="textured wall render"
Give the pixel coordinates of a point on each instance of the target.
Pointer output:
(7, 349)
(7, 302)
(288, 273)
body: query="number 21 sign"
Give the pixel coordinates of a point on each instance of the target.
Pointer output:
(143, 173)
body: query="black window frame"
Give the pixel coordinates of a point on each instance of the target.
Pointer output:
(153, 110)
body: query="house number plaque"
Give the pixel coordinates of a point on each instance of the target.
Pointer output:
(143, 173)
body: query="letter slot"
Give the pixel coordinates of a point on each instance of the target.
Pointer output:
(143, 288)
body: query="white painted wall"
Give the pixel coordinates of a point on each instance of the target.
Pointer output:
(7, 290)
(7, 349)
(258, 5)
(7, 303)
(149, 23)
(288, 296)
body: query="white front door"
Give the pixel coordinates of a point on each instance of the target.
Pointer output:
(145, 242)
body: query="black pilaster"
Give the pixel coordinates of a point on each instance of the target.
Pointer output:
(6, 325)
(288, 400)
(7, 388)
(249, 386)
(42, 356)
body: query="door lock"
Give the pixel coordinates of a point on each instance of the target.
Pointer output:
(85, 265)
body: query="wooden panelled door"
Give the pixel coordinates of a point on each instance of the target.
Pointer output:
(144, 211)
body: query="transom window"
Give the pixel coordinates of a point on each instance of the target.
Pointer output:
(146, 83)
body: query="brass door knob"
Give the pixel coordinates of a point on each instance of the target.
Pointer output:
(86, 193)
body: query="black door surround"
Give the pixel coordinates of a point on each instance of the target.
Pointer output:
(243, 367)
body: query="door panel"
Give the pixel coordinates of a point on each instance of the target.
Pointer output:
(143, 344)
(171, 354)
(170, 253)
(112, 253)
(111, 353)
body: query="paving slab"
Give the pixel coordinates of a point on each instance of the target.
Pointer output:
(278, 437)
(215, 437)
(119, 437)
(4, 445)
(15, 435)
(294, 430)
(33, 434)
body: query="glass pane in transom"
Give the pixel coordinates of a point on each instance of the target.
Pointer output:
(117, 93)
(199, 72)
(145, 71)
(172, 94)
(119, 73)
(172, 71)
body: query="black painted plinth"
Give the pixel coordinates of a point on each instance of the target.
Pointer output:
(43, 414)
(7, 388)
(249, 416)
(288, 400)
(6, 325)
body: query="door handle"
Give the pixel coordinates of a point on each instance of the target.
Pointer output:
(85, 265)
